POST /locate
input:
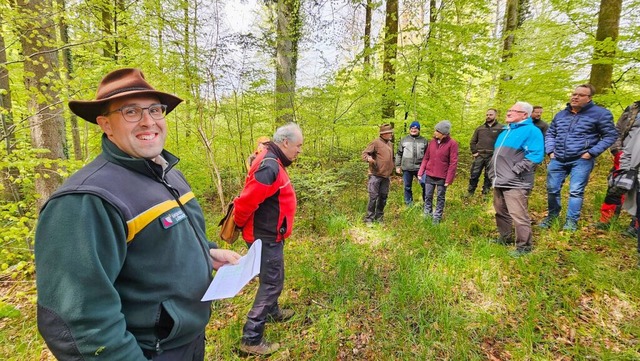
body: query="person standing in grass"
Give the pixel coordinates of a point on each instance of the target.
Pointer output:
(481, 145)
(122, 256)
(577, 135)
(379, 155)
(630, 161)
(519, 148)
(613, 200)
(438, 169)
(265, 210)
(408, 158)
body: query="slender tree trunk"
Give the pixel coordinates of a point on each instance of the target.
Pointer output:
(67, 62)
(107, 12)
(38, 40)
(288, 26)
(510, 25)
(390, 53)
(367, 37)
(606, 44)
(10, 192)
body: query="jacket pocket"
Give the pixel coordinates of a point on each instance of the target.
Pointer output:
(166, 326)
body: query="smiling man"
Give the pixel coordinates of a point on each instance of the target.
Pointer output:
(576, 136)
(122, 256)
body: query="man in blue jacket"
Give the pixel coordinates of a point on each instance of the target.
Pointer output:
(576, 136)
(517, 151)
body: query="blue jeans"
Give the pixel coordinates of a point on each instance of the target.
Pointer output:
(578, 170)
(407, 179)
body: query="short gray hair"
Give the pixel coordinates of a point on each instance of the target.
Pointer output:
(526, 107)
(288, 131)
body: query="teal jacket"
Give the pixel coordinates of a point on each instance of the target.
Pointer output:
(122, 261)
(518, 149)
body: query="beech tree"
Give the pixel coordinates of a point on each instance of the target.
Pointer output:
(38, 39)
(604, 51)
(389, 57)
(288, 30)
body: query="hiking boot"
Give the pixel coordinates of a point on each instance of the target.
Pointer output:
(502, 241)
(546, 222)
(570, 225)
(262, 349)
(630, 232)
(284, 315)
(519, 252)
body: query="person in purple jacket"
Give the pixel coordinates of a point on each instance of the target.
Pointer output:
(438, 169)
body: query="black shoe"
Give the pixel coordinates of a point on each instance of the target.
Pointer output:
(284, 315)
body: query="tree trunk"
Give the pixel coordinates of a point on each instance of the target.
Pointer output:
(107, 29)
(390, 52)
(9, 193)
(367, 38)
(604, 51)
(288, 26)
(37, 37)
(67, 62)
(510, 25)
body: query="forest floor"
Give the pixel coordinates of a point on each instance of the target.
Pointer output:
(411, 290)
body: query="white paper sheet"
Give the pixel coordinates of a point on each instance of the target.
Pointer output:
(230, 279)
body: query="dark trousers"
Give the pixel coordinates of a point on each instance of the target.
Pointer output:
(430, 185)
(511, 206)
(407, 179)
(480, 163)
(193, 351)
(271, 283)
(378, 188)
(638, 214)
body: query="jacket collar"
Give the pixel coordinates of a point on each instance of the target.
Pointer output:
(583, 109)
(527, 121)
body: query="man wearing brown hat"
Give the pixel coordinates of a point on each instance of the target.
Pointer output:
(122, 256)
(379, 155)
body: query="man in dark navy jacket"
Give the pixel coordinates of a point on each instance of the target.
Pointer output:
(576, 136)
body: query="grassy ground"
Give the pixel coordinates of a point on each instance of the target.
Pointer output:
(410, 290)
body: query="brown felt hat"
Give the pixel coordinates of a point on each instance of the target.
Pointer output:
(386, 128)
(118, 84)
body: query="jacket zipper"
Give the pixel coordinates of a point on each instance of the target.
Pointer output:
(495, 157)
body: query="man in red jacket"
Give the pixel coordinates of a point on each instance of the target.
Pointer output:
(265, 210)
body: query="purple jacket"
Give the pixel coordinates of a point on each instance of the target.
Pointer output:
(440, 160)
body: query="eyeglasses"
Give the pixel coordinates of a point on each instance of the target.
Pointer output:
(580, 95)
(133, 113)
(516, 111)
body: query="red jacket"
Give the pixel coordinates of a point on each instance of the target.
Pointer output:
(267, 205)
(440, 160)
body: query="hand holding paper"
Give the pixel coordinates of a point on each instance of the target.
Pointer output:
(230, 279)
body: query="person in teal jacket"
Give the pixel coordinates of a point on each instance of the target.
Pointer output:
(518, 149)
(122, 257)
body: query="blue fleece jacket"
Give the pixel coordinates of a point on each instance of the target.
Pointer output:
(517, 150)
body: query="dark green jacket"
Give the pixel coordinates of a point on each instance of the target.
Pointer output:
(122, 261)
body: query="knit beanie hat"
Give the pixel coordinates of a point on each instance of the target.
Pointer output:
(414, 124)
(386, 128)
(444, 127)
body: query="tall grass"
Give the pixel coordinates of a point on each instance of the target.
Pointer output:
(407, 289)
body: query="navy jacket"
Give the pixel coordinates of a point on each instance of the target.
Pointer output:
(570, 135)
